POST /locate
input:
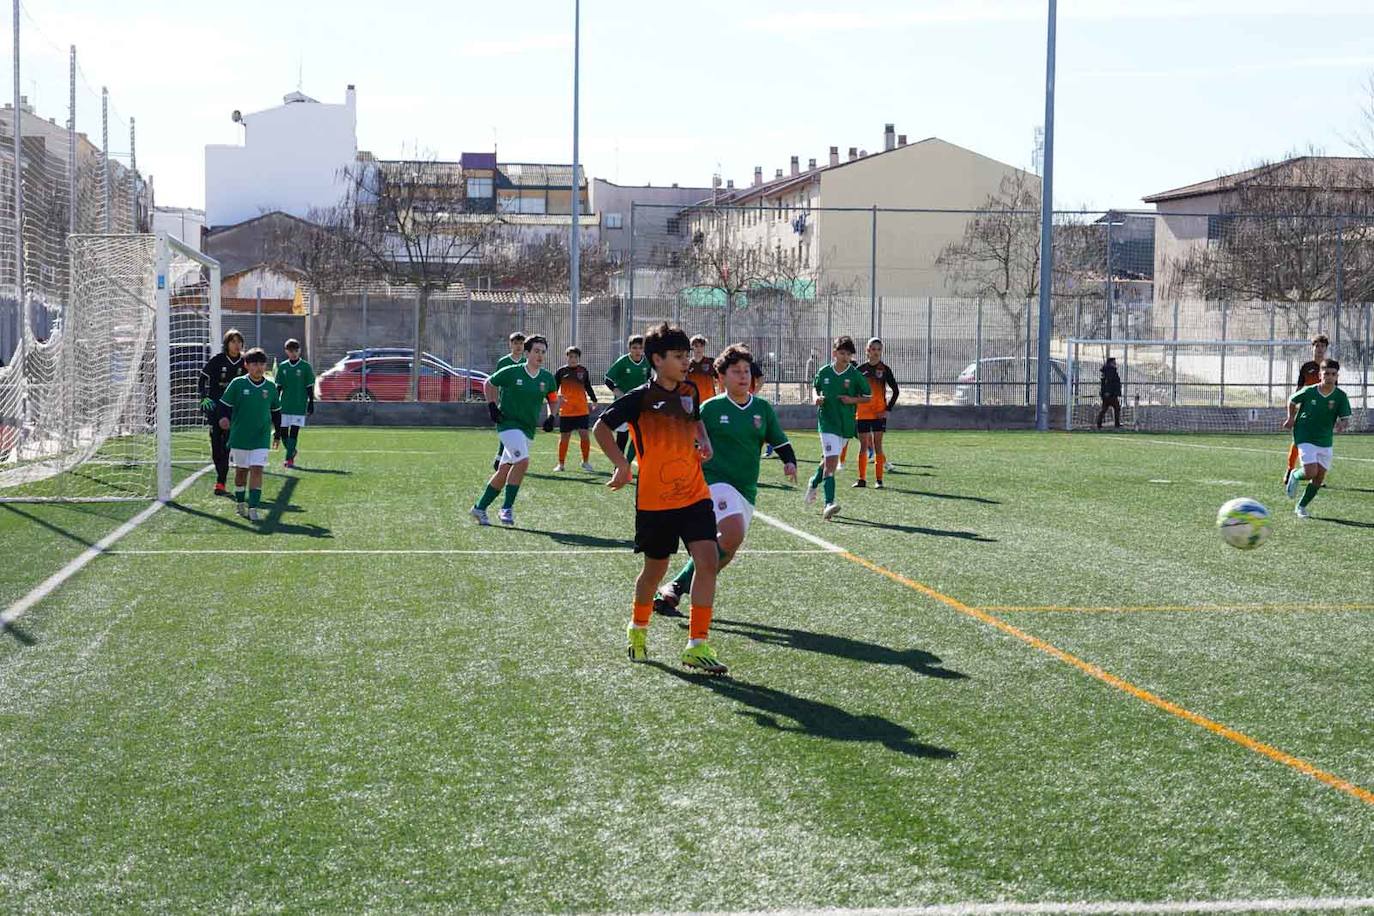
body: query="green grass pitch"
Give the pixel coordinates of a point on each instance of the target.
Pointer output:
(212, 718)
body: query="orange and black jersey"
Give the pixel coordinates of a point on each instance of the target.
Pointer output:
(575, 388)
(663, 422)
(880, 378)
(702, 374)
(1310, 373)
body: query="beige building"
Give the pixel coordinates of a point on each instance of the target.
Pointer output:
(819, 221)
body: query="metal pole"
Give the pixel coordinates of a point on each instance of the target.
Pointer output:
(365, 341)
(1174, 357)
(71, 145)
(1221, 395)
(257, 320)
(1042, 391)
(133, 180)
(162, 382)
(777, 366)
(467, 355)
(930, 347)
(575, 244)
(1111, 300)
(978, 360)
(1368, 343)
(630, 302)
(1273, 309)
(1027, 357)
(829, 323)
(105, 151)
(873, 278)
(1340, 282)
(18, 131)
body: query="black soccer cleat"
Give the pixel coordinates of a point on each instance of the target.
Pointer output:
(667, 600)
(859, 484)
(878, 484)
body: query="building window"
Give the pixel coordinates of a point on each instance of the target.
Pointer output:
(480, 187)
(674, 225)
(614, 221)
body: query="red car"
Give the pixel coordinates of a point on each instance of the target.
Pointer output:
(387, 378)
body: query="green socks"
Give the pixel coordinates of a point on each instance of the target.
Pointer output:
(488, 497)
(239, 495)
(683, 580)
(511, 490)
(816, 477)
(1309, 494)
(829, 490)
(254, 498)
(291, 446)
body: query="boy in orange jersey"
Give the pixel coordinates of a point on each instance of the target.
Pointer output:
(672, 501)
(872, 413)
(1309, 373)
(575, 397)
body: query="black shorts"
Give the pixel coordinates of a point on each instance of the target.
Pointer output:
(657, 531)
(573, 424)
(871, 426)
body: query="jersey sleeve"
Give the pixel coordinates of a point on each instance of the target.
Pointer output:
(587, 384)
(624, 409)
(276, 399)
(561, 374)
(231, 394)
(816, 382)
(891, 383)
(309, 378)
(1344, 409)
(501, 377)
(1296, 397)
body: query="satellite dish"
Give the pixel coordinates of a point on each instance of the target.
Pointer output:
(237, 116)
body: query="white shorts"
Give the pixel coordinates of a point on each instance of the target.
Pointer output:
(727, 501)
(515, 446)
(1315, 454)
(832, 445)
(292, 419)
(248, 457)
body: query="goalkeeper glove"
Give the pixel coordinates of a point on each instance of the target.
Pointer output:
(548, 423)
(207, 405)
(494, 411)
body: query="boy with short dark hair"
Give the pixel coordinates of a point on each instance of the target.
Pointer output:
(627, 373)
(515, 357)
(296, 388)
(250, 410)
(575, 397)
(1315, 414)
(514, 398)
(839, 389)
(672, 501)
(223, 368)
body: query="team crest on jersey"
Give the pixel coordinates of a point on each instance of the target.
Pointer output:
(878, 373)
(758, 422)
(846, 383)
(519, 383)
(724, 420)
(686, 400)
(264, 395)
(722, 505)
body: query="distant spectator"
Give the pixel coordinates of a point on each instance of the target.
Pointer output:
(1111, 393)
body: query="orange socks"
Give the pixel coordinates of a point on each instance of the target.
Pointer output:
(642, 613)
(699, 623)
(863, 463)
(562, 450)
(879, 462)
(586, 450)
(1292, 457)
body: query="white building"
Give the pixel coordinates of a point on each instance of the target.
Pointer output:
(292, 159)
(183, 222)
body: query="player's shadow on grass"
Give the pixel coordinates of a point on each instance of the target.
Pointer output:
(768, 707)
(982, 500)
(915, 529)
(575, 539)
(1347, 522)
(271, 523)
(19, 634)
(918, 660)
(1334, 488)
(321, 471)
(598, 478)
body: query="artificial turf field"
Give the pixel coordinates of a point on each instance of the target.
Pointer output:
(1029, 671)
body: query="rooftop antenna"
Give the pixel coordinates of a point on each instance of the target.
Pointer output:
(300, 73)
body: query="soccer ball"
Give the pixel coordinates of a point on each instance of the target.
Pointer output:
(1243, 523)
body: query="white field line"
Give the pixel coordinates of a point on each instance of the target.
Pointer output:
(50, 584)
(1221, 448)
(405, 552)
(826, 546)
(1263, 905)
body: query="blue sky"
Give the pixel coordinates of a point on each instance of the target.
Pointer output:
(1152, 94)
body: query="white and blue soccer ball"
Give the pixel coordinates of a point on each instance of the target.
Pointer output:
(1244, 523)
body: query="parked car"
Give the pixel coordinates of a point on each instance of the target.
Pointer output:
(387, 378)
(369, 352)
(1002, 380)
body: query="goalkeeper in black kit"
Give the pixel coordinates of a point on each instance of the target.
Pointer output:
(223, 368)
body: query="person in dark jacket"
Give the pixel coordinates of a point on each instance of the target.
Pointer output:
(222, 369)
(1111, 393)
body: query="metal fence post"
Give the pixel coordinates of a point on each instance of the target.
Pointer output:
(1368, 344)
(364, 340)
(978, 359)
(930, 348)
(1273, 318)
(520, 311)
(628, 314)
(1174, 358)
(777, 369)
(1221, 393)
(257, 320)
(467, 357)
(1340, 282)
(1111, 299)
(829, 322)
(873, 278)
(1028, 354)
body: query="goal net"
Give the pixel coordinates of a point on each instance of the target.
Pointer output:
(1219, 386)
(106, 407)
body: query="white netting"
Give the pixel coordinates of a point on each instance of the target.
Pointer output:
(78, 410)
(1231, 386)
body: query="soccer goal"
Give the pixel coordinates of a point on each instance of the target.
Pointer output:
(1219, 386)
(107, 406)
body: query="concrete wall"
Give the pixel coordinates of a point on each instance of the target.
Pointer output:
(792, 416)
(290, 160)
(650, 223)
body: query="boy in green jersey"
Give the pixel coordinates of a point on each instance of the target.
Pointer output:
(515, 395)
(625, 375)
(249, 410)
(840, 388)
(296, 388)
(1315, 413)
(738, 424)
(514, 358)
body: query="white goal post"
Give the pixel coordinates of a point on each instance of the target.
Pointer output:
(1218, 386)
(106, 407)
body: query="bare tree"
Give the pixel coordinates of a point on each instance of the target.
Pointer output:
(1293, 234)
(411, 224)
(515, 262)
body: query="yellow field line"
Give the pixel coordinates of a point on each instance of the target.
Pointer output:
(1230, 734)
(1134, 608)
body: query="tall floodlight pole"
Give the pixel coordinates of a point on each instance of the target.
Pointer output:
(17, 129)
(1042, 363)
(575, 242)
